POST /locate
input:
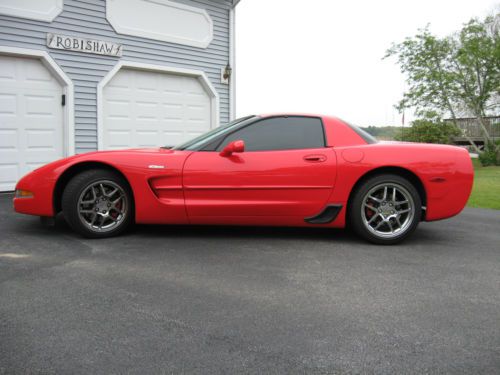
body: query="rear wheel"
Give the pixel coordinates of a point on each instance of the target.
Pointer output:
(386, 209)
(98, 203)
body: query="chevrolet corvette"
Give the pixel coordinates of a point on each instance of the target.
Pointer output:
(268, 170)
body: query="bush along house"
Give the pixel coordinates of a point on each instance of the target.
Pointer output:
(86, 75)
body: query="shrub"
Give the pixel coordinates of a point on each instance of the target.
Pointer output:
(429, 130)
(490, 155)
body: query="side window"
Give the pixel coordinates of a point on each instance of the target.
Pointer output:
(280, 133)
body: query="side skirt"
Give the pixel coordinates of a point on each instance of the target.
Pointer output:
(326, 216)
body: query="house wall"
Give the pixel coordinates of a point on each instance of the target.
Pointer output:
(87, 19)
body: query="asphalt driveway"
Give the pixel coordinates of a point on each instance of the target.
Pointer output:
(249, 300)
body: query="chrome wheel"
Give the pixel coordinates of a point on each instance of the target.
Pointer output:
(102, 206)
(387, 210)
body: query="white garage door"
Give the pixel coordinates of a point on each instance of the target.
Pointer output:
(148, 109)
(31, 118)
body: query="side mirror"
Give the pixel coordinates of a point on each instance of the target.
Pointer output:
(235, 146)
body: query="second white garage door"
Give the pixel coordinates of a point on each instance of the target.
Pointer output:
(148, 109)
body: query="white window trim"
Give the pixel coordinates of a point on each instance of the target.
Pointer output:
(67, 86)
(126, 30)
(26, 13)
(202, 77)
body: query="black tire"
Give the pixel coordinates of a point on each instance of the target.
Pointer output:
(84, 183)
(358, 212)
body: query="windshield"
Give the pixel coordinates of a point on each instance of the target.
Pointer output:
(195, 143)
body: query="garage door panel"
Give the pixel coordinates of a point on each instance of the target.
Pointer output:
(171, 91)
(194, 90)
(197, 104)
(174, 82)
(118, 98)
(120, 83)
(8, 68)
(40, 105)
(119, 138)
(31, 118)
(197, 124)
(147, 110)
(35, 71)
(116, 123)
(154, 108)
(147, 125)
(33, 165)
(173, 123)
(193, 134)
(147, 138)
(197, 107)
(9, 174)
(197, 112)
(193, 129)
(117, 91)
(173, 110)
(40, 139)
(118, 118)
(8, 139)
(144, 91)
(118, 108)
(192, 85)
(171, 138)
(144, 81)
(8, 104)
(195, 120)
(36, 155)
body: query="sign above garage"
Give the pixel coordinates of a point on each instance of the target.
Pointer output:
(72, 43)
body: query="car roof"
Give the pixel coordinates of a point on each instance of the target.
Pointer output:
(280, 114)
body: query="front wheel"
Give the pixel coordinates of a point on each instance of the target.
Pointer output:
(98, 203)
(386, 209)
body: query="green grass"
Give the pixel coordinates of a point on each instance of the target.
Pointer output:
(486, 189)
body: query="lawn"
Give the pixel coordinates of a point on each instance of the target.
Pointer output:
(486, 189)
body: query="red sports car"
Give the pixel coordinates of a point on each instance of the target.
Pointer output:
(281, 170)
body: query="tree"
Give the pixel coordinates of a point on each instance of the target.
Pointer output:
(476, 63)
(457, 74)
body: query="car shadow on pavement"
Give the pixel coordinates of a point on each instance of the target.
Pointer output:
(423, 235)
(221, 231)
(242, 232)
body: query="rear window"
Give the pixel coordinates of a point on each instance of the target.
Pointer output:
(367, 137)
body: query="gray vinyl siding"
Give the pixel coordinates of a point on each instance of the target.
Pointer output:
(87, 19)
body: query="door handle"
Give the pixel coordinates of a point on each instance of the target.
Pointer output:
(316, 158)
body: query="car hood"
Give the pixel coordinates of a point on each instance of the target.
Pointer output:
(122, 153)
(128, 151)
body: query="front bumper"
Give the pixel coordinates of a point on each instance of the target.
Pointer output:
(41, 202)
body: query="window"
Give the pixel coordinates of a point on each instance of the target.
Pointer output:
(367, 137)
(280, 133)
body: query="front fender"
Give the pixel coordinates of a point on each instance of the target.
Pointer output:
(40, 183)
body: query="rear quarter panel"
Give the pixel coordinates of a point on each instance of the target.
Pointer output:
(445, 171)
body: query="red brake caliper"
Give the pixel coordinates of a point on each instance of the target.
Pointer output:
(368, 213)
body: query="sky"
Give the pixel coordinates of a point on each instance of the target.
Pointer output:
(325, 56)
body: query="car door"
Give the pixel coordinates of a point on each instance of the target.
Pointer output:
(286, 170)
